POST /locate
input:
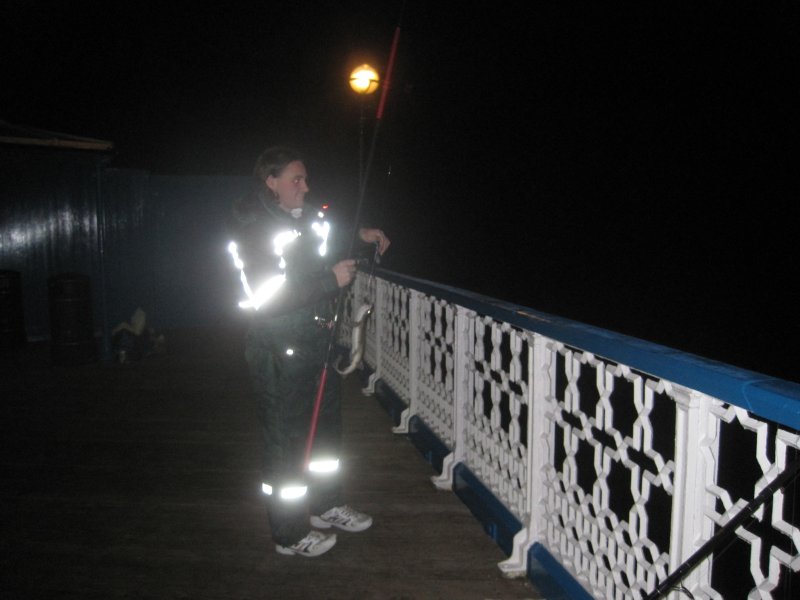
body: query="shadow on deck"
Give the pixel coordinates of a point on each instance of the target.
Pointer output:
(142, 480)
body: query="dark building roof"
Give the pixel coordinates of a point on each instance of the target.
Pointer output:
(31, 136)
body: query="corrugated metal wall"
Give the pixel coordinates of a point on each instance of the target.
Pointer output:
(154, 242)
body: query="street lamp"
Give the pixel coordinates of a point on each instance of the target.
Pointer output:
(364, 81)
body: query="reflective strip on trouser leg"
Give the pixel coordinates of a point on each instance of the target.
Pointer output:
(287, 509)
(324, 466)
(286, 492)
(326, 484)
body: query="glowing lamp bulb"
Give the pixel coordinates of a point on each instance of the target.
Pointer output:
(364, 80)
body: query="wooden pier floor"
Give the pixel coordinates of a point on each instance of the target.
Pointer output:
(142, 480)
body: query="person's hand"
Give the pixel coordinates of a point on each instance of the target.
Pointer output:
(344, 270)
(375, 236)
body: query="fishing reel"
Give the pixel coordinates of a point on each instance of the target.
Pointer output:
(367, 262)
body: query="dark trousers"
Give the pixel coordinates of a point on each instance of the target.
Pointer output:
(286, 361)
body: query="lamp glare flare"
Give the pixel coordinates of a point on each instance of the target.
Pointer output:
(364, 79)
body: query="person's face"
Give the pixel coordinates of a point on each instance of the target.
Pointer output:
(290, 186)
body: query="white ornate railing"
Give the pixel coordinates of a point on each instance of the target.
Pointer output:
(614, 459)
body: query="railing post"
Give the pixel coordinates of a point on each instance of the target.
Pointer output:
(462, 390)
(414, 335)
(696, 451)
(540, 376)
(379, 317)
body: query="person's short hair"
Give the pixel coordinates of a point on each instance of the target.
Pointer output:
(274, 160)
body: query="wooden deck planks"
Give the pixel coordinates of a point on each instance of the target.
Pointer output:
(142, 481)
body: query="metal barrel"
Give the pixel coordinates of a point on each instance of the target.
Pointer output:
(12, 317)
(71, 324)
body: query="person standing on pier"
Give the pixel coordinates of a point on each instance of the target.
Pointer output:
(282, 249)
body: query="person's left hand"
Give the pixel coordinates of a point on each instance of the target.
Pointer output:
(375, 236)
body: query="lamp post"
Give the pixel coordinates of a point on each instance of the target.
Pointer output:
(364, 81)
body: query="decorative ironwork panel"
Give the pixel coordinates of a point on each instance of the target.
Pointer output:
(394, 342)
(764, 560)
(610, 473)
(436, 365)
(497, 411)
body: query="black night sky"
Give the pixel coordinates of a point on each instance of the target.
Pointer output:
(623, 164)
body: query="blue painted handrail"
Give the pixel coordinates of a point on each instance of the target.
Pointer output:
(768, 397)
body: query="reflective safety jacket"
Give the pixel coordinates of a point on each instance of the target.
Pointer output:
(287, 285)
(284, 262)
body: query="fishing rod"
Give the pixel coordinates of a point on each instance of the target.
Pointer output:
(723, 535)
(323, 379)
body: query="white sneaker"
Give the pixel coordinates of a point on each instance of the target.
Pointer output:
(314, 544)
(343, 517)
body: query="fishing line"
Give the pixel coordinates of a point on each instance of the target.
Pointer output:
(728, 531)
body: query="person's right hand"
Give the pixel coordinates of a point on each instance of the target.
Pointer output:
(344, 270)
